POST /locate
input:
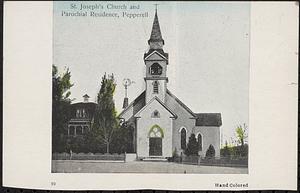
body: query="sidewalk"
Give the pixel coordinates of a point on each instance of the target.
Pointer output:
(86, 166)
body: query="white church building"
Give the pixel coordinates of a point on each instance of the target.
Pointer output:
(162, 123)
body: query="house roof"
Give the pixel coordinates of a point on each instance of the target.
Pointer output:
(89, 106)
(208, 119)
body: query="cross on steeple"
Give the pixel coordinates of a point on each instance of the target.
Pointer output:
(156, 7)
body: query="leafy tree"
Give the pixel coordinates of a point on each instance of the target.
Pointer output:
(192, 146)
(210, 153)
(61, 103)
(92, 143)
(123, 139)
(241, 134)
(105, 119)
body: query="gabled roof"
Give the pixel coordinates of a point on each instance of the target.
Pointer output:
(208, 119)
(202, 119)
(158, 100)
(181, 103)
(161, 54)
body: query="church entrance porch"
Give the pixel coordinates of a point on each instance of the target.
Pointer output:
(155, 146)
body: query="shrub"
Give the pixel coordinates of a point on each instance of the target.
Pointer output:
(192, 146)
(225, 152)
(210, 153)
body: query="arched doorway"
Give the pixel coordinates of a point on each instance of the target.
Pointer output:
(155, 141)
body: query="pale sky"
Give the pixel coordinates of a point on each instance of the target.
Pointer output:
(208, 46)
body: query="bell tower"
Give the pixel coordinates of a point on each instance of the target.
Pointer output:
(156, 61)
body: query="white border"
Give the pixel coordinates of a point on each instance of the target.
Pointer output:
(27, 88)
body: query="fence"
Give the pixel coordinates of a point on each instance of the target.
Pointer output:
(88, 156)
(226, 162)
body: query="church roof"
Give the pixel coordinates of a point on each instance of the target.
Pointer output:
(208, 119)
(138, 103)
(202, 119)
(160, 102)
(155, 33)
(180, 103)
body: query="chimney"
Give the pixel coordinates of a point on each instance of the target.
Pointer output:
(125, 103)
(86, 98)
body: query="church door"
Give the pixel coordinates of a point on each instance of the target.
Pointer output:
(156, 135)
(155, 146)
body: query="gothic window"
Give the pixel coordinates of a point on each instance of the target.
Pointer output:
(183, 138)
(155, 87)
(155, 69)
(155, 114)
(156, 132)
(199, 137)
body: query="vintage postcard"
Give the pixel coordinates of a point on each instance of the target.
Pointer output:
(153, 97)
(156, 92)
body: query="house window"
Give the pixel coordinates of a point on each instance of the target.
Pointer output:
(85, 128)
(199, 137)
(183, 138)
(79, 130)
(77, 113)
(155, 87)
(155, 69)
(155, 114)
(83, 113)
(71, 130)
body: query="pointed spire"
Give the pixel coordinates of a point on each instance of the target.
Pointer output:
(155, 33)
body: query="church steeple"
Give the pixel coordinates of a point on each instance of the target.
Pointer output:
(156, 41)
(156, 61)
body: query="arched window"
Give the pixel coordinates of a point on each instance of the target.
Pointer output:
(199, 139)
(155, 69)
(155, 114)
(183, 138)
(156, 132)
(155, 87)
